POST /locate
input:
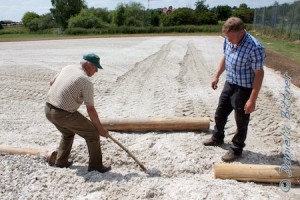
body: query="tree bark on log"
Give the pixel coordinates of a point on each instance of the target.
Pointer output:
(157, 124)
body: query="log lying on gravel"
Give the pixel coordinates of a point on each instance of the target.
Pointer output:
(256, 173)
(157, 124)
(50, 156)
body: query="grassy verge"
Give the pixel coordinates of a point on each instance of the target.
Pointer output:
(286, 48)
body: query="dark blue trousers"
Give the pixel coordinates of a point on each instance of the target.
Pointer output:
(233, 97)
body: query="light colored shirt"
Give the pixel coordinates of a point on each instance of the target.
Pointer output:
(71, 88)
(242, 60)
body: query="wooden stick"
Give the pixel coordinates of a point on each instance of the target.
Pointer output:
(256, 173)
(127, 151)
(156, 124)
(50, 156)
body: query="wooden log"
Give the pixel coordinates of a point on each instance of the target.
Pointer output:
(50, 156)
(256, 173)
(157, 124)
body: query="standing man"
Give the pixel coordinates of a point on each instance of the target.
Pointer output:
(243, 61)
(69, 89)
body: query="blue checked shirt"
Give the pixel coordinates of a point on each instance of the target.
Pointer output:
(242, 60)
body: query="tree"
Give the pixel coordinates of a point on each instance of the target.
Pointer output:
(181, 16)
(244, 12)
(63, 10)
(46, 21)
(222, 12)
(200, 7)
(1, 27)
(154, 17)
(132, 14)
(208, 17)
(28, 17)
(119, 15)
(203, 14)
(135, 14)
(101, 13)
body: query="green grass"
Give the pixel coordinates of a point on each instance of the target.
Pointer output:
(290, 49)
(28, 36)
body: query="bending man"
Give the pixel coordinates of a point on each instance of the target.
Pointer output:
(69, 89)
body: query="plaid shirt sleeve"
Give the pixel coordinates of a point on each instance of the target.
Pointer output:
(257, 57)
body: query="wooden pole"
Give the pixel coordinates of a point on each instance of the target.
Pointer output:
(50, 156)
(256, 173)
(129, 153)
(156, 124)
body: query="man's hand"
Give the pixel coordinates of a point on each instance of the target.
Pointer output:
(249, 106)
(214, 83)
(104, 133)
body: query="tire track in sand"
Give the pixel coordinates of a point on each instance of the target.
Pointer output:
(24, 84)
(194, 79)
(150, 81)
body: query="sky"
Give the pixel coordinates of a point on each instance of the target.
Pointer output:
(15, 9)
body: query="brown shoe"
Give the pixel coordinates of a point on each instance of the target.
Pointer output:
(68, 164)
(101, 170)
(230, 156)
(211, 142)
(51, 158)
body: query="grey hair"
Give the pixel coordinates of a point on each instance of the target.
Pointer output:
(82, 62)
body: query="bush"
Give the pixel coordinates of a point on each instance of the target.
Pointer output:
(46, 21)
(181, 16)
(86, 19)
(28, 17)
(144, 30)
(33, 25)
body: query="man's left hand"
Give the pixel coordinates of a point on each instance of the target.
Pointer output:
(249, 107)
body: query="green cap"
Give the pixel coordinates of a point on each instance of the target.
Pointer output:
(93, 58)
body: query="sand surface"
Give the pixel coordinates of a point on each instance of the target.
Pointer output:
(144, 77)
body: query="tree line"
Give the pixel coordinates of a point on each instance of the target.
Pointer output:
(74, 16)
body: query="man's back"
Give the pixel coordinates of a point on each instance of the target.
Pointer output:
(70, 89)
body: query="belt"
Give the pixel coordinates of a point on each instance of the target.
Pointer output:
(55, 108)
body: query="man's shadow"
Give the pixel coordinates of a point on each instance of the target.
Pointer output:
(252, 157)
(95, 176)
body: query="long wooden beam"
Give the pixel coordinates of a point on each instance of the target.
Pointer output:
(50, 156)
(157, 124)
(256, 173)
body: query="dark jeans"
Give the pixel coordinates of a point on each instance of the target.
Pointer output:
(233, 97)
(69, 124)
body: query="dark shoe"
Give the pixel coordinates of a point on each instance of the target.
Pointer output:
(52, 158)
(101, 170)
(69, 164)
(230, 156)
(211, 142)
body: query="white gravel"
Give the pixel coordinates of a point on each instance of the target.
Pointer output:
(143, 77)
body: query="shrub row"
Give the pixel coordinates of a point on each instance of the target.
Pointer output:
(140, 30)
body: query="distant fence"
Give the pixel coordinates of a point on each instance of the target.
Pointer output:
(279, 20)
